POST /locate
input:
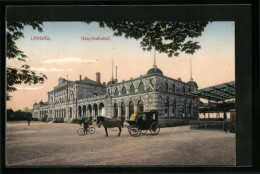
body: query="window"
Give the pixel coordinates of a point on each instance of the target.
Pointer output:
(184, 110)
(183, 89)
(95, 109)
(173, 88)
(131, 108)
(166, 87)
(140, 106)
(123, 91)
(70, 112)
(79, 111)
(141, 87)
(166, 108)
(116, 92)
(144, 117)
(123, 109)
(84, 110)
(174, 108)
(189, 111)
(132, 89)
(115, 110)
(89, 111)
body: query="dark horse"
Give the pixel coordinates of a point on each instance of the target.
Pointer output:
(109, 123)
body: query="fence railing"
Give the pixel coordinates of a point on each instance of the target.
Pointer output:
(214, 125)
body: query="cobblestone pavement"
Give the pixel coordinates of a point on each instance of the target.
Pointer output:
(48, 144)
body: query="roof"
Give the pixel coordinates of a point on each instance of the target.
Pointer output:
(111, 82)
(192, 83)
(84, 81)
(217, 107)
(221, 92)
(89, 82)
(154, 70)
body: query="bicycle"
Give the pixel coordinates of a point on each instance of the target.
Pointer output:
(90, 130)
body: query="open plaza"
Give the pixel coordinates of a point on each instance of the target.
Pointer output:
(50, 144)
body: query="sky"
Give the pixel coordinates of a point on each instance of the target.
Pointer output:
(67, 56)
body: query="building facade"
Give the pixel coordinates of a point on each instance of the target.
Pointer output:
(89, 98)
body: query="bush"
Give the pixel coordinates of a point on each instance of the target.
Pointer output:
(49, 119)
(58, 120)
(75, 120)
(44, 119)
(35, 119)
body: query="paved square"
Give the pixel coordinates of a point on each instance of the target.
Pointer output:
(48, 144)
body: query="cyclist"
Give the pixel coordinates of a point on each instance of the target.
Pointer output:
(86, 124)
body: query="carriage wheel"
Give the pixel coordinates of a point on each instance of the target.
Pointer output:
(155, 128)
(91, 130)
(144, 131)
(80, 131)
(134, 131)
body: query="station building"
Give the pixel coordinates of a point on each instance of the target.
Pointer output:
(89, 98)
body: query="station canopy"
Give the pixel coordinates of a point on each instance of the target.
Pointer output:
(221, 92)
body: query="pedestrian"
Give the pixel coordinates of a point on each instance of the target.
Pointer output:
(29, 121)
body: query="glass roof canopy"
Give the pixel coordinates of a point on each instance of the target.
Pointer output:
(221, 92)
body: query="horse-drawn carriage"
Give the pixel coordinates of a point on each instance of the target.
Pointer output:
(142, 122)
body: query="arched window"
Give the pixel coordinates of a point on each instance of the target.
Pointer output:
(89, 111)
(166, 87)
(132, 89)
(174, 109)
(140, 106)
(183, 89)
(123, 91)
(189, 112)
(95, 109)
(102, 109)
(131, 108)
(123, 109)
(70, 112)
(166, 108)
(115, 110)
(116, 92)
(79, 111)
(141, 87)
(173, 88)
(184, 110)
(84, 111)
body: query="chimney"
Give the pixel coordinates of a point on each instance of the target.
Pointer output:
(98, 77)
(79, 77)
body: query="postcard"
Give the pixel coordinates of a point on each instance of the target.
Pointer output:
(120, 93)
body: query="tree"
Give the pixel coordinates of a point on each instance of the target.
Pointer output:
(166, 37)
(22, 74)
(10, 114)
(21, 115)
(26, 109)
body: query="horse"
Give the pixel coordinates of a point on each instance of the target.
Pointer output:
(109, 123)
